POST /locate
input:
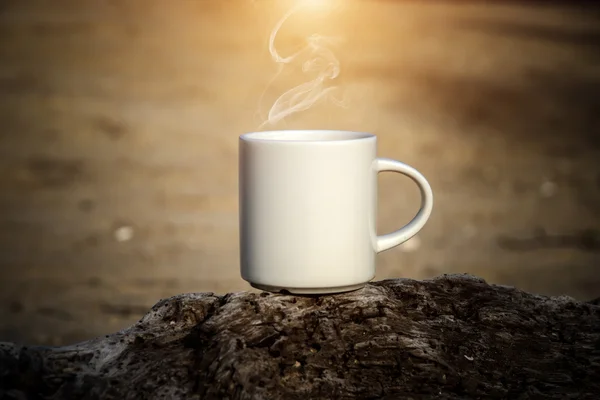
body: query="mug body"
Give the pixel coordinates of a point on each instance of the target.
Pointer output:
(308, 204)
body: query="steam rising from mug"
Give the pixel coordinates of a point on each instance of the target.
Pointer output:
(321, 61)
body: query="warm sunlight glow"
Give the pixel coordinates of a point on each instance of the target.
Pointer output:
(316, 5)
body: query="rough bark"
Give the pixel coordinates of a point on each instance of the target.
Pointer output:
(453, 337)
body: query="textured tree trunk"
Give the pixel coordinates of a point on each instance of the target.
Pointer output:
(453, 337)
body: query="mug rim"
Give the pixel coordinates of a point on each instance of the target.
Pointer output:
(304, 136)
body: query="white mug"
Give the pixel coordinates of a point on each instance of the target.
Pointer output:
(308, 206)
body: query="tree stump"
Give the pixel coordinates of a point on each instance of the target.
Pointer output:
(452, 337)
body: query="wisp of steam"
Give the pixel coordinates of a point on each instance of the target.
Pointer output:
(320, 60)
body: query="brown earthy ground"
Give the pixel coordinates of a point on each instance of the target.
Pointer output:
(120, 119)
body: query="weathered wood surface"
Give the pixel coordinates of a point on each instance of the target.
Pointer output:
(453, 337)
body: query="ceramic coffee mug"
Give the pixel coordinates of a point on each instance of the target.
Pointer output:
(308, 206)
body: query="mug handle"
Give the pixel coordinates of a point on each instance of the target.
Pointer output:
(387, 241)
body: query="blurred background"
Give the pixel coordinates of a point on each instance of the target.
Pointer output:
(120, 121)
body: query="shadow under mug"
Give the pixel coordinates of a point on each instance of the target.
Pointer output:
(308, 210)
